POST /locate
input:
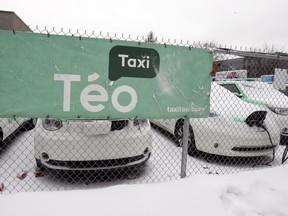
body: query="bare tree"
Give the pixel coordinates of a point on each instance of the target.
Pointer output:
(151, 38)
(210, 45)
(267, 48)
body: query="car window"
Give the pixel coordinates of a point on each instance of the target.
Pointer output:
(232, 88)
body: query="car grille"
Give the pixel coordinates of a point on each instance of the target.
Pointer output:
(252, 148)
(95, 163)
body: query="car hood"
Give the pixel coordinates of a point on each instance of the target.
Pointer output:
(226, 104)
(265, 93)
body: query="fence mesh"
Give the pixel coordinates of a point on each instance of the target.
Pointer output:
(246, 129)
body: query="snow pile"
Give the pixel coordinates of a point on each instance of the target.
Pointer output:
(261, 192)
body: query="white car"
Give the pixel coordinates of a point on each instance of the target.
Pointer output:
(234, 128)
(10, 127)
(91, 145)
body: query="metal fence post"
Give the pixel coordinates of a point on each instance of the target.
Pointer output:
(184, 147)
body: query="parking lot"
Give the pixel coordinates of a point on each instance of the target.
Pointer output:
(235, 122)
(19, 172)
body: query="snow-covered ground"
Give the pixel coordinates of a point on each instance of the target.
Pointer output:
(158, 191)
(164, 165)
(252, 193)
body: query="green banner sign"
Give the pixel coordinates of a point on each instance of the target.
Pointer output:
(71, 77)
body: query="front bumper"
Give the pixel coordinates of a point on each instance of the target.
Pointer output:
(234, 139)
(65, 145)
(94, 165)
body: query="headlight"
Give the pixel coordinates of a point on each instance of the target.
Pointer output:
(279, 110)
(52, 124)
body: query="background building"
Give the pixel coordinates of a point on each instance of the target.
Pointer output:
(256, 63)
(10, 21)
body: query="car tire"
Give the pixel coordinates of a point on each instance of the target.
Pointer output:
(39, 165)
(178, 133)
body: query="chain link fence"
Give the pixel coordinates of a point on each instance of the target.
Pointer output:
(246, 129)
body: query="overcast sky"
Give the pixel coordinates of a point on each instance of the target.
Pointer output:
(246, 23)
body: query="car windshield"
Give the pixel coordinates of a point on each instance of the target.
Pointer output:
(232, 88)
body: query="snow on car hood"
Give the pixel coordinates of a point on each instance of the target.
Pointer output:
(226, 104)
(264, 93)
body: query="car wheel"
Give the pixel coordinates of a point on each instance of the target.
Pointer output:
(178, 133)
